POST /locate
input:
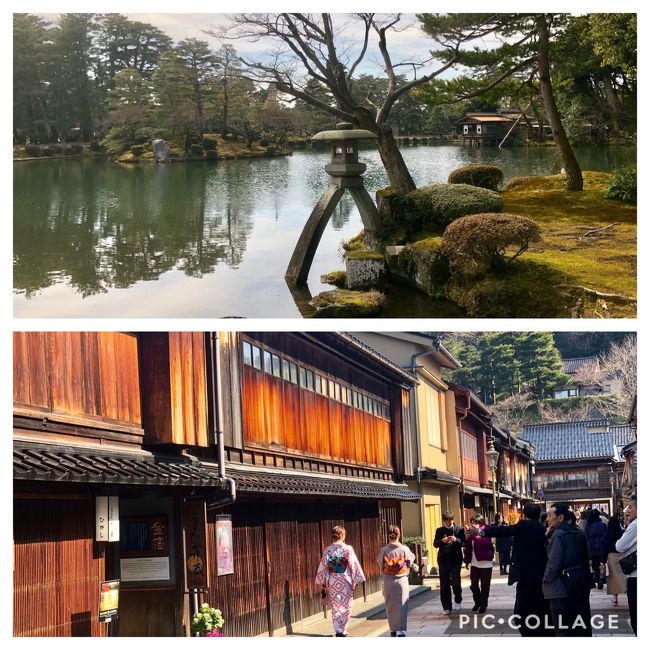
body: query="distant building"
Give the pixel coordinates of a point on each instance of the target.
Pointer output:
(490, 128)
(578, 462)
(586, 378)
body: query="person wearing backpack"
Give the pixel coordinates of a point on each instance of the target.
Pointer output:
(568, 579)
(479, 553)
(449, 539)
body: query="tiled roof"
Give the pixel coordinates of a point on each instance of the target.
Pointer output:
(277, 482)
(622, 435)
(571, 365)
(570, 440)
(77, 465)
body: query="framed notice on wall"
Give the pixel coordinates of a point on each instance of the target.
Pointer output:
(144, 549)
(223, 531)
(109, 594)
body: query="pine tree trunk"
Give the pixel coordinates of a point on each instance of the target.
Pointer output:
(571, 166)
(398, 173)
(613, 100)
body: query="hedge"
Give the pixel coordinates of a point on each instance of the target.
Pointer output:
(483, 242)
(487, 176)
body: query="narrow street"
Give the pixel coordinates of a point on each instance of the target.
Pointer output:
(427, 619)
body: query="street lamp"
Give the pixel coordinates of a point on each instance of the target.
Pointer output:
(492, 459)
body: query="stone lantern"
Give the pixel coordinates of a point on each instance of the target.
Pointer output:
(344, 173)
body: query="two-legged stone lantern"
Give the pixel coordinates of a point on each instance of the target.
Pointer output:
(344, 174)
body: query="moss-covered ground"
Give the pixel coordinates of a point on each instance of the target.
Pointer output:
(587, 241)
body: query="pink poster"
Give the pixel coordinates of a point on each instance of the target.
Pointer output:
(225, 563)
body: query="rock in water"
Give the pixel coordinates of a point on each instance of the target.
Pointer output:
(160, 150)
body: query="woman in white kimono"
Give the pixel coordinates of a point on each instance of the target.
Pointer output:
(395, 561)
(339, 572)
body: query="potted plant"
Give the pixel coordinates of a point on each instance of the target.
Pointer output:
(415, 544)
(208, 621)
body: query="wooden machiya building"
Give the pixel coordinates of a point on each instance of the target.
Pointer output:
(196, 467)
(577, 462)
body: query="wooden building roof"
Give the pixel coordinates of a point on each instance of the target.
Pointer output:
(40, 462)
(302, 483)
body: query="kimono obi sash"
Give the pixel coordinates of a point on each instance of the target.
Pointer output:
(337, 561)
(395, 565)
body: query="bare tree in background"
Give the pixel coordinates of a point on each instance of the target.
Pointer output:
(513, 411)
(619, 365)
(311, 47)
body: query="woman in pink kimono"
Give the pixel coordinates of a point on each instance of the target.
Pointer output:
(339, 572)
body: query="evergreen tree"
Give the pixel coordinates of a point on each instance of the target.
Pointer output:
(523, 51)
(31, 54)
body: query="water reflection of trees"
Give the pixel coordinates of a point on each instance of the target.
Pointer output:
(98, 225)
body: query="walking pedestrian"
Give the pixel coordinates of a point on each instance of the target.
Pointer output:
(339, 573)
(626, 546)
(595, 531)
(616, 580)
(479, 553)
(503, 546)
(395, 561)
(449, 539)
(584, 518)
(527, 570)
(567, 579)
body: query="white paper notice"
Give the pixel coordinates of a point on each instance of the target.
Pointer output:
(140, 569)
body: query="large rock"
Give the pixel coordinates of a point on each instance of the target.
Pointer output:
(160, 150)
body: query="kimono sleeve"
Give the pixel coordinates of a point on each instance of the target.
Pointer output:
(408, 554)
(322, 574)
(356, 572)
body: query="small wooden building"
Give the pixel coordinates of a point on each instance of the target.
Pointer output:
(490, 128)
(307, 428)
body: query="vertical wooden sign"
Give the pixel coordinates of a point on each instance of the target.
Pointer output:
(196, 565)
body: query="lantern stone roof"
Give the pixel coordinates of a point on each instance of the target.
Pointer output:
(345, 131)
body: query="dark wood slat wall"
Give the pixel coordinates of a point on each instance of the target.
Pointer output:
(90, 376)
(56, 570)
(281, 544)
(242, 596)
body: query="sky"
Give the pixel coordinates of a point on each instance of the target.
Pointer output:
(408, 43)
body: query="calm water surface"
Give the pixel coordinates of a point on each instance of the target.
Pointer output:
(98, 239)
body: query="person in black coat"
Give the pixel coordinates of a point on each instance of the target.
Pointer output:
(449, 540)
(503, 546)
(527, 568)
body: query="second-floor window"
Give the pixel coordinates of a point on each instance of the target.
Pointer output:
(469, 453)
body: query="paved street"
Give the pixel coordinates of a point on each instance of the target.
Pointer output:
(427, 619)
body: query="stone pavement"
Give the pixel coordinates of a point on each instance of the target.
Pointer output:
(426, 617)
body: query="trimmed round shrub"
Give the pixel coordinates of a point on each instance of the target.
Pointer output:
(622, 185)
(77, 147)
(485, 242)
(33, 150)
(95, 146)
(47, 151)
(56, 149)
(438, 205)
(211, 154)
(196, 150)
(209, 144)
(137, 150)
(67, 150)
(487, 176)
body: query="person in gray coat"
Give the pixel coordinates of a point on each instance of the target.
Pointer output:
(627, 546)
(395, 561)
(567, 580)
